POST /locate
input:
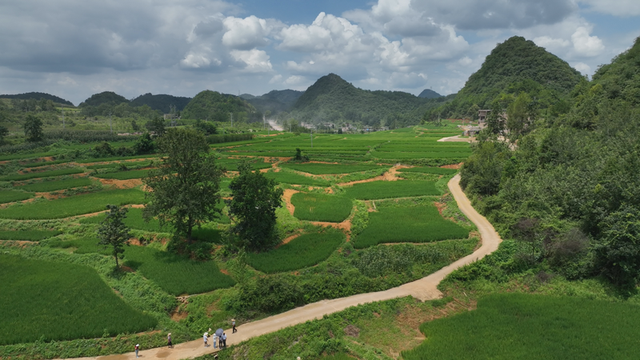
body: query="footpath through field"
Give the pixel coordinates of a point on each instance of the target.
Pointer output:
(423, 289)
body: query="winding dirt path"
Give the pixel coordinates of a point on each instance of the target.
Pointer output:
(423, 289)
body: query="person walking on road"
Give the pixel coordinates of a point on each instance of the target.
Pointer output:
(205, 337)
(224, 340)
(169, 343)
(137, 348)
(215, 339)
(233, 324)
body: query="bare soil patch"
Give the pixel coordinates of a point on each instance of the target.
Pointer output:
(390, 175)
(452, 166)
(121, 184)
(289, 239)
(288, 193)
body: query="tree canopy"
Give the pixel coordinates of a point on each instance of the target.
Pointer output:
(185, 188)
(113, 232)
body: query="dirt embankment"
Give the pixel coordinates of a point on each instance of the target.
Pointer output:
(288, 193)
(390, 175)
(121, 184)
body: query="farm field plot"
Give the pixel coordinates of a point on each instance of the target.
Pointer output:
(135, 221)
(429, 170)
(60, 301)
(7, 196)
(43, 174)
(321, 207)
(174, 273)
(304, 251)
(153, 157)
(326, 169)
(395, 224)
(30, 235)
(47, 186)
(232, 164)
(71, 206)
(418, 155)
(293, 178)
(522, 326)
(43, 163)
(391, 189)
(124, 175)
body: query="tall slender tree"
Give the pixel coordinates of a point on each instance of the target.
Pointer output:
(113, 232)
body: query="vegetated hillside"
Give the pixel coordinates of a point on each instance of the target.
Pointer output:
(514, 66)
(429, 94)
(161, 102)
(38, 96)
(105, 97)
(275, 101)
(215, 106)
(333, 99)
(569, 188)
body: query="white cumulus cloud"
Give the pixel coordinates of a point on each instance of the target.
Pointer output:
(586, 45)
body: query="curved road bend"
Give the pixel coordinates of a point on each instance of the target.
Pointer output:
(423, 289)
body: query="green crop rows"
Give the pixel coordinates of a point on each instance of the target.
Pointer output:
(521, 326)
(124, 175)
(321, 207)
(429, 170)
(71, 206)
(7, 196)
(43, 174)
(303, 251)
(30, 235)
(395, 224)
(391, 189)
(47, 186)
(323, 169)
(59, 301)
(293, 178)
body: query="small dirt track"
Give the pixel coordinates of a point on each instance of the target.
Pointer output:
(423, 289)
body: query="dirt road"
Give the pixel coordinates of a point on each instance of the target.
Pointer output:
(423, 289)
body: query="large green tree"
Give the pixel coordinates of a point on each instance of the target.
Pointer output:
(253, 208)
(33, 129)
(113, 232)
(185, 189)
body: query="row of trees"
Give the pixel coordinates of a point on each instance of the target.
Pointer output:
(185, 192)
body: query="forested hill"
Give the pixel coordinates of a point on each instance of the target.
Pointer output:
(105, 97)
(275, 101)
(514, 66)
(38, 96)
(429, 94)
(335, 100)
(567, 187)
(214, 106)
(161, 102)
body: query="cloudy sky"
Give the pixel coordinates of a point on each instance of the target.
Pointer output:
(75, 48)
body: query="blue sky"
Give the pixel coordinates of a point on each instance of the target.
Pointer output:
(75, 48)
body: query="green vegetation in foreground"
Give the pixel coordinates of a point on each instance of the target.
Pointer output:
(391, 189)
(58, 301)
(303, 251)
(7, 196)
(321, 207)
(71, 206)
(232, 164)
(176, 274)
(421, 223)
(429, 170)
(30, 235)
(326, 169)
(124, 175)
(43, 174)
(47, 186)
(293, 178)
(519, 326)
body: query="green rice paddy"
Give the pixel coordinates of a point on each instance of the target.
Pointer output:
(42, 174)
(391, 189)
(30, 235)
(321, 207)
(324, 169)
(7, 196)
(47, 186)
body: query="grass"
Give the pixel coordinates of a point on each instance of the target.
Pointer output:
(43, 174)
(71, 206)
(521, 326)
(391, 189)
(293, 178)
(429, 170)
(124, 175)
(7, 196)
(30, 235)
(304, 251)
(417, 224)
(325, 169)
(232, 164)
(48, 301)
(47, 186)
(320, 207)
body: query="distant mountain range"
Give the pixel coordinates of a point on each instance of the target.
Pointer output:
(38, 96)
(429, 94)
